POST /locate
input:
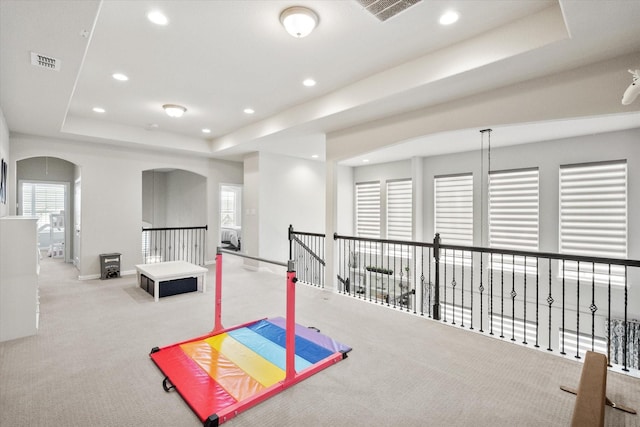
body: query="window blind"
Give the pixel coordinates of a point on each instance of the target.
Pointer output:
(228, 208)
(368, 209)
(514, 216)
(454, 215)
(399, 210)
(593, 217)
(42, 199)
(513, 209)
(454, 209)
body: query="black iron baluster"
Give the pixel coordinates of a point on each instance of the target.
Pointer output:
(462, 293)
(501, 295)
(392, 277)
(429, 307)
(577, 356)
(524, 338)
(453, 290)
(415, 279)
(491, 294)
(593, 306)
(422, 289)
(609, 318)
(369, 282)
(549, 301)
(471, 291)
(563, 298)
(513, 298)
(446, 258)
(537, 300)
(626, 324)
(481, 289)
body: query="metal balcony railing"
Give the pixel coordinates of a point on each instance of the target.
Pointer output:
(174, 244)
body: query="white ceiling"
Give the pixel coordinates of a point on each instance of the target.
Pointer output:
(218, 57)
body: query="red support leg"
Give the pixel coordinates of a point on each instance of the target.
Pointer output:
(217, 327)
(291, 326)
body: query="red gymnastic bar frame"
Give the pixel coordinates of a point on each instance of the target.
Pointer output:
(291, 376)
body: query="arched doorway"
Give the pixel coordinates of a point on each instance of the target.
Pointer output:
(174, 216)
(46, 189)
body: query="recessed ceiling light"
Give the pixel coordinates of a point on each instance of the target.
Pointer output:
(449, 17)
(174, 110)
(206, 130)
(120, 77)
(314, 156)
(365, 160)
(157, 17)
(98, 110)
(309, 82)
(249, 111)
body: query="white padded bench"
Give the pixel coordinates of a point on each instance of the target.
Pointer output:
(171, 270)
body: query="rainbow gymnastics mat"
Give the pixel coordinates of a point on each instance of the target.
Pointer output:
(226, 372)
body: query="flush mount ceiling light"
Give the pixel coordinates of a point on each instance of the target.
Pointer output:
(299, 21)
(174, 110)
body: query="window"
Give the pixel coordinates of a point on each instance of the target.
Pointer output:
(593, 218)
(41, 200)
(228, 207)
(368, 209)
(513, 215)
(454, 212)
(399, 210)
(230, 202)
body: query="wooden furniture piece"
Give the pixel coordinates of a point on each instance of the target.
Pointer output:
(591, 395)
(19, 265)
(171, 275)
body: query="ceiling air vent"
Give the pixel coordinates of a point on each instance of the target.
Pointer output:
(44, 61)
(385, 9)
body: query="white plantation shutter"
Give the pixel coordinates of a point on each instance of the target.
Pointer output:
(593, 216)
(42, 199)
(228, 208)
(368, 209)
(399, 210)
(513, 209)
(454, 209)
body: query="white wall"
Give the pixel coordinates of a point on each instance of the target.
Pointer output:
(292, 191)
(345, 200)
(251, 205)
(4, 154)
(112, 193)
(186, 199)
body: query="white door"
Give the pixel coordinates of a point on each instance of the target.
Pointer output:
(76, 223)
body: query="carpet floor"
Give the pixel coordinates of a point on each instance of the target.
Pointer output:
(89, 364)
